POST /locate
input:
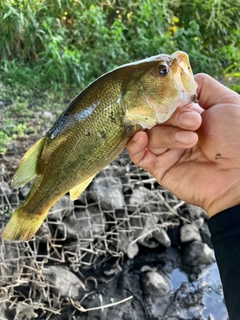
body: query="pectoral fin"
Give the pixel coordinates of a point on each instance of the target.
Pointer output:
(78, 190)
(26, 169)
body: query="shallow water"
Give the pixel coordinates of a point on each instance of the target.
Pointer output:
(210, 281)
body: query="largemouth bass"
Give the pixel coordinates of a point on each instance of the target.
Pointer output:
(94, 129)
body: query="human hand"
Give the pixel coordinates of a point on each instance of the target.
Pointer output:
(197, 160)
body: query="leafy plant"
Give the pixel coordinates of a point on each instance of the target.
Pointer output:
(73, 42)
(54, 48)
(11, 131)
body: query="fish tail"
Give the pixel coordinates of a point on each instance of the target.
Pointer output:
(22, 225)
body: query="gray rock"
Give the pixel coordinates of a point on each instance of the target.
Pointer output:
(162, 237)
(189, 313)
(197, 253)
(206, 235)
(5, 188)
(189, 232)
(156, 284)
(4, 305)
(107, 191)
(43, 234)
(147, 268)
(143, 226)
(14, 198)
(24, 191)
(139, 196)
(125, 245)
(61, 208)
(7, 313)
(84, 223)
(208, 256)
(64, 282)
(196, 212)
(25, 312)
(10, 258)
(74, 245)
(48, 115)
(149, 242)
(132, 250)
(199, 222)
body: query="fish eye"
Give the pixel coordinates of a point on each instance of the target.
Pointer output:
(163, 70)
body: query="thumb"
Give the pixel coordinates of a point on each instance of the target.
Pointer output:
(211, 92)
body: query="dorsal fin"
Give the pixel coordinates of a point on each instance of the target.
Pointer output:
(26, 169)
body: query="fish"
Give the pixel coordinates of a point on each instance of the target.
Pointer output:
(94, 129)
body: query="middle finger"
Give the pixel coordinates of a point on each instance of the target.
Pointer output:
(162, 138)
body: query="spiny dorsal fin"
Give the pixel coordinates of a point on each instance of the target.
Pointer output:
(26, 169)
(78, 190)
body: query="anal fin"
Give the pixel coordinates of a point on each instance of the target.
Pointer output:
(78, 190)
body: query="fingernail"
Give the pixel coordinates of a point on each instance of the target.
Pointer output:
(189, 119)
(185, 137)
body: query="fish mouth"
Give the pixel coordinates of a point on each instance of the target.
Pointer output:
(184, 76)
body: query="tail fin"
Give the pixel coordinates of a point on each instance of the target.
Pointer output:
(22, 225)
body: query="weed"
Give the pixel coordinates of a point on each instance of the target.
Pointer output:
(50, 50)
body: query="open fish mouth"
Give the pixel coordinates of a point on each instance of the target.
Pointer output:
(185, 76)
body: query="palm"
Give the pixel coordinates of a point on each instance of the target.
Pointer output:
(204, 173)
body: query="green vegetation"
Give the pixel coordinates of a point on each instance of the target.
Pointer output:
(51, 49)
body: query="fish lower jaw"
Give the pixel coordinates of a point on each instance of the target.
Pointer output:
(187, 99)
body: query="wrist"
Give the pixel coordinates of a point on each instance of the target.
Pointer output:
(228, 199)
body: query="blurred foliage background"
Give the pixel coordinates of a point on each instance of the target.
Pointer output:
(51, 49)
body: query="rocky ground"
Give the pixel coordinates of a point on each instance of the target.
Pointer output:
(127, 249)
